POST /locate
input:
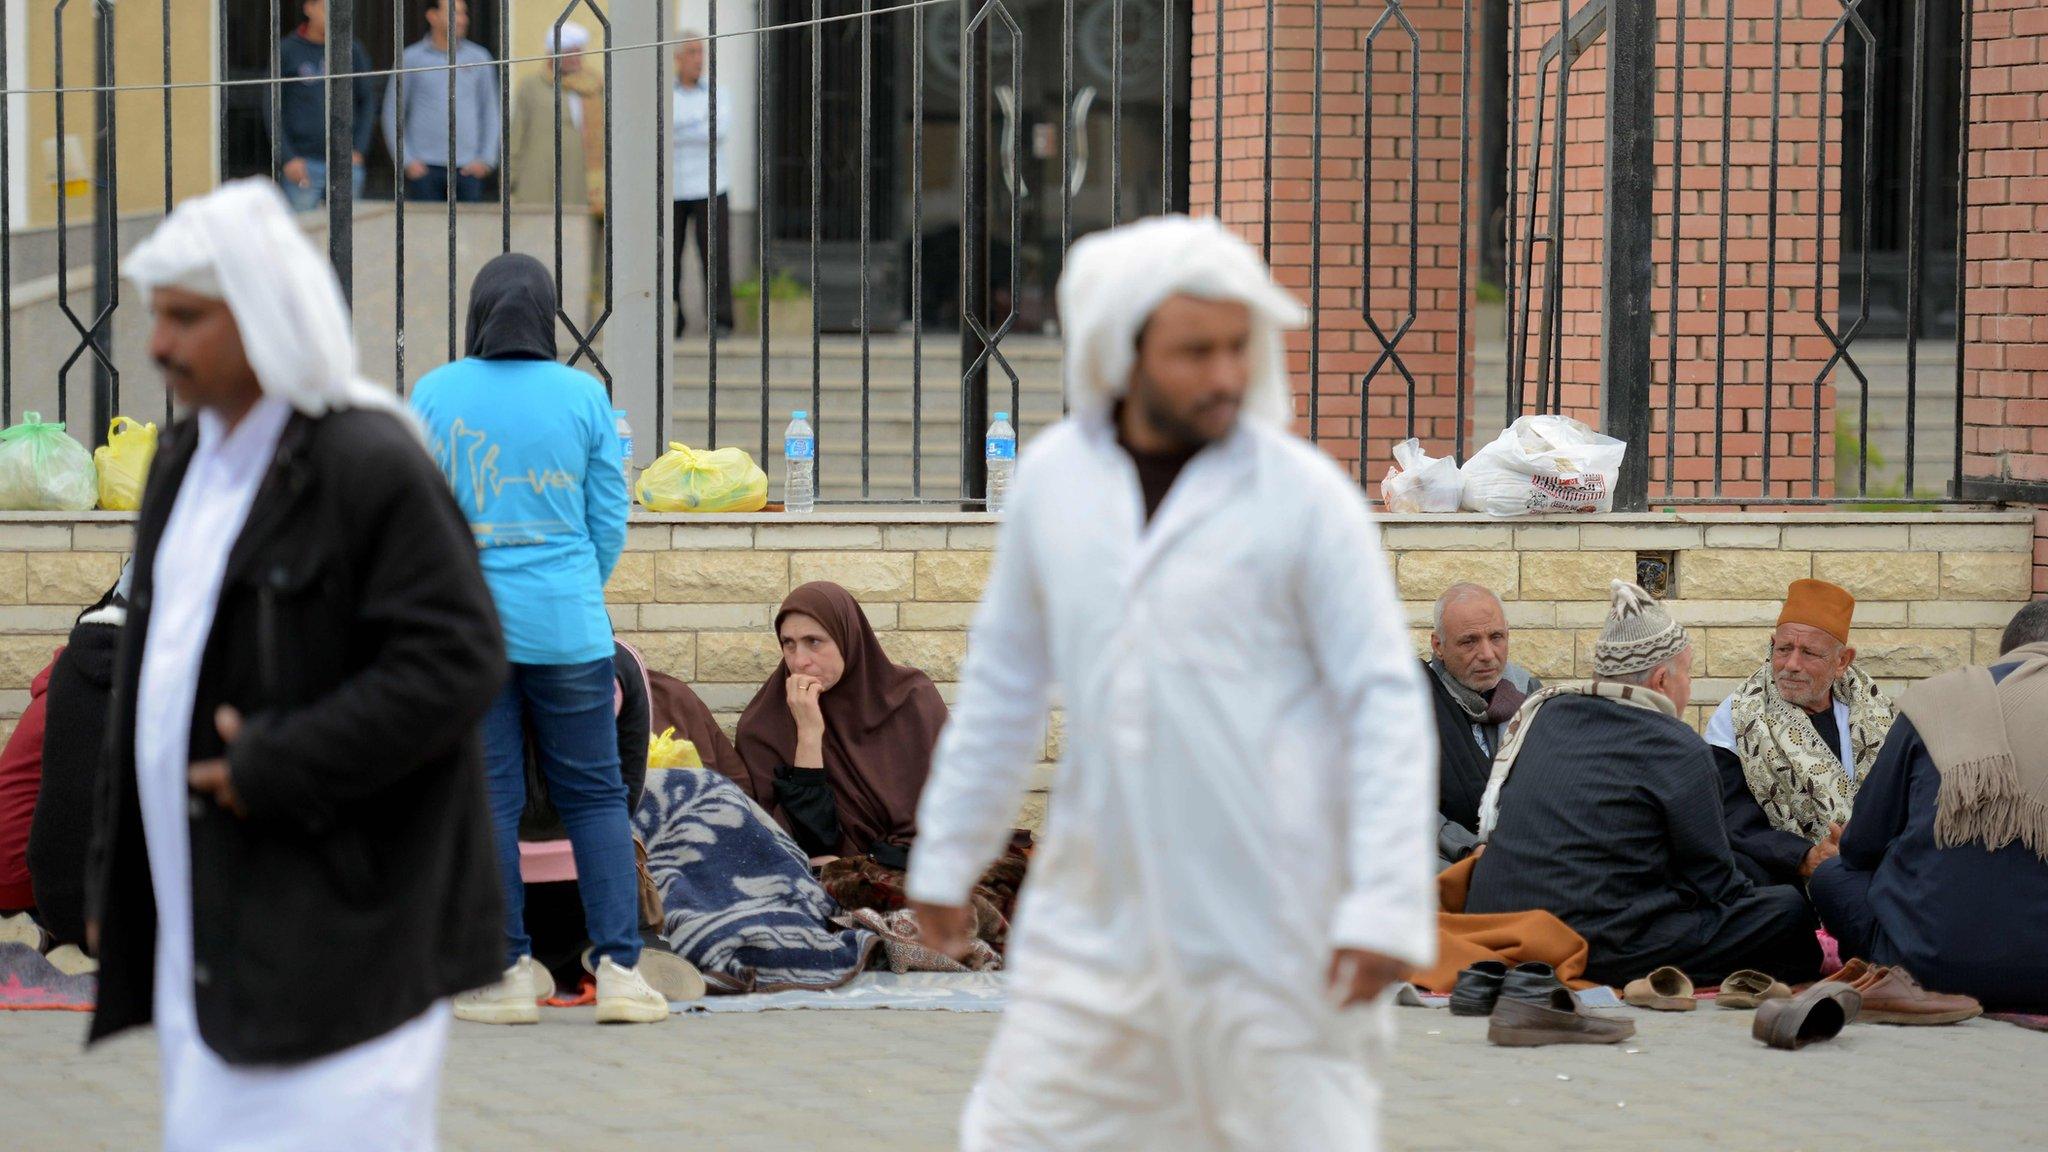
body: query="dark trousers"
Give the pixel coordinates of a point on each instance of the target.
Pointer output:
(434, 186)
(697, 214)
(1841, 895)
(1769, 930)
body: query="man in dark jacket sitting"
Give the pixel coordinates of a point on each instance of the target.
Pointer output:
(292, 869)
(1476, 690)
(1604, 810)
(1944, 863)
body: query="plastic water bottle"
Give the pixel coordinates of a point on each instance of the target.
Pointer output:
(800, 464)
(624, 428)
(1001, 455)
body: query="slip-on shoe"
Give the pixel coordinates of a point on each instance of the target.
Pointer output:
(1477, 988)
(1523, 1024)
(1818, 1013)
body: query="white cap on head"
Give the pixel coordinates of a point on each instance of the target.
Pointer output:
(241, 244)
(1115, 280)
(568, 38)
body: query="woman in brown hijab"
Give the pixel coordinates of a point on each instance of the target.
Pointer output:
(838, 742)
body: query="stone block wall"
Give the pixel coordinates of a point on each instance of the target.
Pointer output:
(1934, 590)
(698, 595)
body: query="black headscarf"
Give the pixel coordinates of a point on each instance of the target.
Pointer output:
(512, 310)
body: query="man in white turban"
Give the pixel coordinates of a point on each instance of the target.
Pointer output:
(292, 868)
(1238, 846)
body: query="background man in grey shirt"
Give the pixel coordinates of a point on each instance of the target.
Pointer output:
(426, 153)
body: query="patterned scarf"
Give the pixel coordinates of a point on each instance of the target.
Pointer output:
(1795, 776)
(1479, 708)
(1518, 728)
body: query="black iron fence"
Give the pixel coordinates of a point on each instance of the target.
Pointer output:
(918, 171)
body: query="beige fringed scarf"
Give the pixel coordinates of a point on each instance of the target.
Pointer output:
(1518, 729)
(1989, 740)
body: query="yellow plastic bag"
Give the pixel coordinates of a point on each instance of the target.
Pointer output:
(687, 480)
(664, 750)
(124, 463)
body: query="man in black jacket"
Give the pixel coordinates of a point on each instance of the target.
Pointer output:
(302, 110)
(292, 868)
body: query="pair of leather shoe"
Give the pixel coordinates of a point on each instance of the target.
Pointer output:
(1482, 985)
(1527, 1006)
(1891, 996)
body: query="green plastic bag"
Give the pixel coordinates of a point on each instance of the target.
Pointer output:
(42, 469)
(686, 480)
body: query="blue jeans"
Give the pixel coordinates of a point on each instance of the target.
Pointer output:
(570, 709)
(314, 194)
(434, 186)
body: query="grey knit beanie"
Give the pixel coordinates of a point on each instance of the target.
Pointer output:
(1638, 636)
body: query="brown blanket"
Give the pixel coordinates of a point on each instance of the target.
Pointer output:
(1464, 939)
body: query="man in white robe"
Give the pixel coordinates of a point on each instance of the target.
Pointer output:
(1237, 848)
(352, 749)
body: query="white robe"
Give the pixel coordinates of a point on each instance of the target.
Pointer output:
(378, 1096)
(1248, 783)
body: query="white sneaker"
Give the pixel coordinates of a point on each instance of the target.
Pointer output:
(509, 1001)
(623, 996)
(22, 928)
(665, 972)
(537, 977)
(68, 959)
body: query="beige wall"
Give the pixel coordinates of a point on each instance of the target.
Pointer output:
(698, 594)
(139, 136)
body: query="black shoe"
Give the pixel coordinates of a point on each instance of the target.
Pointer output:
(1533, 983)
(1477, 989)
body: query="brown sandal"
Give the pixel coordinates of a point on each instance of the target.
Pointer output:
(1665, 990)
(1750, 988)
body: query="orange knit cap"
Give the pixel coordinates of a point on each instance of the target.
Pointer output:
(1819, 604)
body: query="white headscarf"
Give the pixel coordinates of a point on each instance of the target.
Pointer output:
(240, 244)
(1115, 280)
(568, 38)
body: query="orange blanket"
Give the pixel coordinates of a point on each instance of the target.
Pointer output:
(1464, 939)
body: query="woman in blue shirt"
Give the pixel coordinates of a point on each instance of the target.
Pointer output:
(530, 449)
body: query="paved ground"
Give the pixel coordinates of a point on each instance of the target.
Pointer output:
(854, 1081)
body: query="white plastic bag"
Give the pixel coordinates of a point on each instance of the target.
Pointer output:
(42, 469)
(1417, 483)
(1544, 464)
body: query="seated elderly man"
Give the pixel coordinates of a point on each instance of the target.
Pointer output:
(1602, 810)
(1793, 743)
(1944, 869)
(1476, 690)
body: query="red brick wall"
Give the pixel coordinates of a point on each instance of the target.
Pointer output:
(1807, 212)
(2005, 380)
(1352, 260)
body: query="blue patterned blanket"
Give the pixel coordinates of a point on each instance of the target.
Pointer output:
(738, 899)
